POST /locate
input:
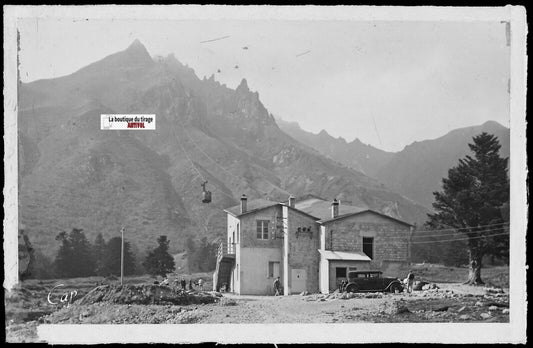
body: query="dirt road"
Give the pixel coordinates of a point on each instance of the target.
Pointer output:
(450, 303)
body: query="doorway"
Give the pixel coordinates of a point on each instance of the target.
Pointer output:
(298, 280)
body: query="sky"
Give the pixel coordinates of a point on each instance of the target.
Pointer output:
(387, 83)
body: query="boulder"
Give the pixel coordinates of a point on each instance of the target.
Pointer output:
(493, 290)
(418, 285)
(464, 317)
(430, 286)
(485, 315)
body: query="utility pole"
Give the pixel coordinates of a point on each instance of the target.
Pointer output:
(122, 255)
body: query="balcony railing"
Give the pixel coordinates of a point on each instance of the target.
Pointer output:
(225, 249)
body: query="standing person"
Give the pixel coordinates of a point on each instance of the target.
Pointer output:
(277, 287)
(410, 281)
(343, 285)
(190, 284)
(183, 283)
(200, 284)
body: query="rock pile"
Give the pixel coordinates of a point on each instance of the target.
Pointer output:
(145, 294)
(343, 296)
(394, 308)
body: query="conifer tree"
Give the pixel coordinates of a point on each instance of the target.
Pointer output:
(112, 257)
(159, 261)
(99, 251)
(82, 254)
(473, 200)
(74, 257)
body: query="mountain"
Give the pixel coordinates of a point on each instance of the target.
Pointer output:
(361, 157)
(72, 174)
(416, 171)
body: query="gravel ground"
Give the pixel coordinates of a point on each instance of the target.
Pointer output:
(449, 302)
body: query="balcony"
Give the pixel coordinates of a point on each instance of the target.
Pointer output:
(225, 264)
(226, 250)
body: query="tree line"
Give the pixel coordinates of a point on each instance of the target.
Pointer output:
(78, 257)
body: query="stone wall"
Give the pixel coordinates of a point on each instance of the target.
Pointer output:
(248, 229)
(303, 247)
(391, 238)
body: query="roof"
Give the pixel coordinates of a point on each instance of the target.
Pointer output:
(322, 209)
(365, 211)
(251, 206)
(314, 207)
(345, 255)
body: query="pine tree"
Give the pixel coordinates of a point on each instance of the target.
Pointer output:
(159, 261)
(74, 257)
(83, 260)
(112, 257)
(473, 199)
(62, 262)
(99, 251)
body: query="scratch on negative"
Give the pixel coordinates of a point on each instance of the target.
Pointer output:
(301, 54)
(218, 38)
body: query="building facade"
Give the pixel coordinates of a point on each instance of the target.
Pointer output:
(310, 245)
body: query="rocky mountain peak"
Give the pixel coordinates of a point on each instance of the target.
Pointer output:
(136, 53)
(324, 133)
(136, 43)
(243, 86)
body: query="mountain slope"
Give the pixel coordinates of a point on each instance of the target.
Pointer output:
(416, 171)
(72, 174)
(361, 157)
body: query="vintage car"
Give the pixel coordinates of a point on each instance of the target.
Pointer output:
(359, 281)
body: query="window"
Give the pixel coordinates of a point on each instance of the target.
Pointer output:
(238, 232)
(273, 269)
(262, 229)
(368, 246)
(340, 272)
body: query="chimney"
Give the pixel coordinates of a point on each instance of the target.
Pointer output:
(291, 201)
(334, 208)
(244, 204)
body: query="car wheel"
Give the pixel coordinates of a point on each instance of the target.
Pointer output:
(395, 288)
(351, 288)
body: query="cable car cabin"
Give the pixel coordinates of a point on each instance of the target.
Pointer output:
(206, 195)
